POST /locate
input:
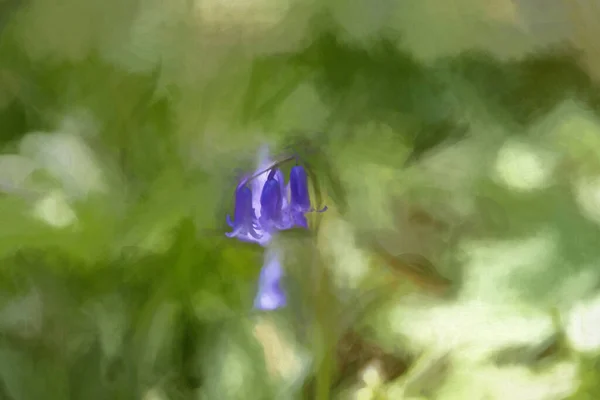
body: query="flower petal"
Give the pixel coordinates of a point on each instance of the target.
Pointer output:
(270, 295)
(300, 197)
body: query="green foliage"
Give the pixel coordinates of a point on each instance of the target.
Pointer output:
(140, 294)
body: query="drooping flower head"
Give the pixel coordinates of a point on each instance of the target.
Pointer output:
(300, 196)
(275, 214)
(262, 208)
(244, 224)
(247, 201)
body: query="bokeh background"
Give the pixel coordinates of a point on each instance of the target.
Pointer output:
(464, 133)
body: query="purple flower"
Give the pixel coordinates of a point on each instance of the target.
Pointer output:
(262, 208)
(300, 196)
(270, 295)
(273, 204)
(247, 205)
(245, 225)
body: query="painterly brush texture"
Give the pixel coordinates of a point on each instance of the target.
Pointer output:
(296, 199)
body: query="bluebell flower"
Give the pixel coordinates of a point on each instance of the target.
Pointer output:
(270, 294)
(300, 196)
(247, 205)
(245, 224)
(257, 185)
(273, 204)
(262, 208)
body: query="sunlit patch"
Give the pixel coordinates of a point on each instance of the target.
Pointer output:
(486, 317)
(574, 129)
(490, 267)
(522, 167)
(55, 210)
(365, 393)
(68, 158)
(487, 314)
(283, 359)
(372, 376)
(485, 381)
(469, 329)
(587, 192)
(583, 326)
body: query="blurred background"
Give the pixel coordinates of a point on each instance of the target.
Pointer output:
(456, 144)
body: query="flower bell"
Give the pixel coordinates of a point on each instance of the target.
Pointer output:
(274, 214)
(245, 225)
(270, 295)
(300, 196)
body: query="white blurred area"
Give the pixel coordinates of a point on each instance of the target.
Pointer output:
(493, 309)
(488, 314)
(286, 362)
(53, 169)
(486, 381)
(582, 324)
(68, 159)
(54, 209)
(524, 167)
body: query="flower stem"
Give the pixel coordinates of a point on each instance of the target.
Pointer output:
(277, 164)
(325, 332)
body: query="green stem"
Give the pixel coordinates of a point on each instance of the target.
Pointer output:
(277, 164)
(325, 335)
(324, 377)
